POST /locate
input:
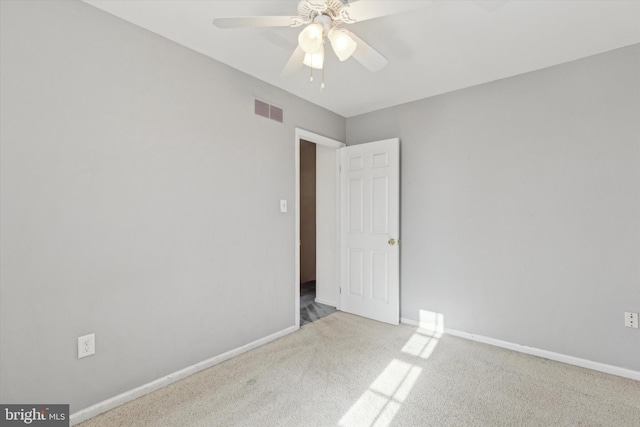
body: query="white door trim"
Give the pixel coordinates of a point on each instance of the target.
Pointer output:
(301, 134)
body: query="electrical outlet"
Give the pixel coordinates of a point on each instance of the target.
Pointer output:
(86, 345)
(631, 320)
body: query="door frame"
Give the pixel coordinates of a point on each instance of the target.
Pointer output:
(302, 134)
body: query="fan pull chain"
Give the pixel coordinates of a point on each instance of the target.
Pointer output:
(311, 78)
(322, 85)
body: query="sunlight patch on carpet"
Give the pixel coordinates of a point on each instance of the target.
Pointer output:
(422, 343)
(381, 402)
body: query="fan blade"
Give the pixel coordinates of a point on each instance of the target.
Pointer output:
(294, 63)
(255, 21)
(368, 56)
(363, 10)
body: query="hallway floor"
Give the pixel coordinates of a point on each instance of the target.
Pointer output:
(310, 310)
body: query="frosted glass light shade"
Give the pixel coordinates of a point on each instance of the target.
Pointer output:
(310, 39)
(342, 43)
(314, 60)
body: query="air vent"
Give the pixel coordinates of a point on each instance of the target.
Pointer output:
(262, 108)
(276, 113)
(269, 111)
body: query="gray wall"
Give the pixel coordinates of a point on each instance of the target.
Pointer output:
(521, 206)
(140, 201)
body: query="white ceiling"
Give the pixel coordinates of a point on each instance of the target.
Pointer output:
(440, 47)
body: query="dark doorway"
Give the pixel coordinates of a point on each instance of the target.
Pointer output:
(310, 310)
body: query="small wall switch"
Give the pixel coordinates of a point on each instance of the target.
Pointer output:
(283, 206)
(631, 320)
(86, 345)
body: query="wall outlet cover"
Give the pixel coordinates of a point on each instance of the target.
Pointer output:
(86, 345)
(631, 320)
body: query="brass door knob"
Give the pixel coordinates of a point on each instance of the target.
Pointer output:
(392, 241)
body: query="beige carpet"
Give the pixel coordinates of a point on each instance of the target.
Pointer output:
(344, 370)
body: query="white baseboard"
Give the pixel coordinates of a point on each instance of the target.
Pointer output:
(98, 408)
(409, 322)
(571, 360)
(326, 302)
(421, 325)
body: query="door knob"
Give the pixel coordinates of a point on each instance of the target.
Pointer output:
(392, 241)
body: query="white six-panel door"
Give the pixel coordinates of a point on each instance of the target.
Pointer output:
(369, 230)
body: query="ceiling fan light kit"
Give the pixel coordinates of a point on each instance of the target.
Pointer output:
(311, 38)
(315, 60)
(342, 43)
(322, 18)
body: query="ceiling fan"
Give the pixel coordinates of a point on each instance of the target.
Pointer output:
(323, 19)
